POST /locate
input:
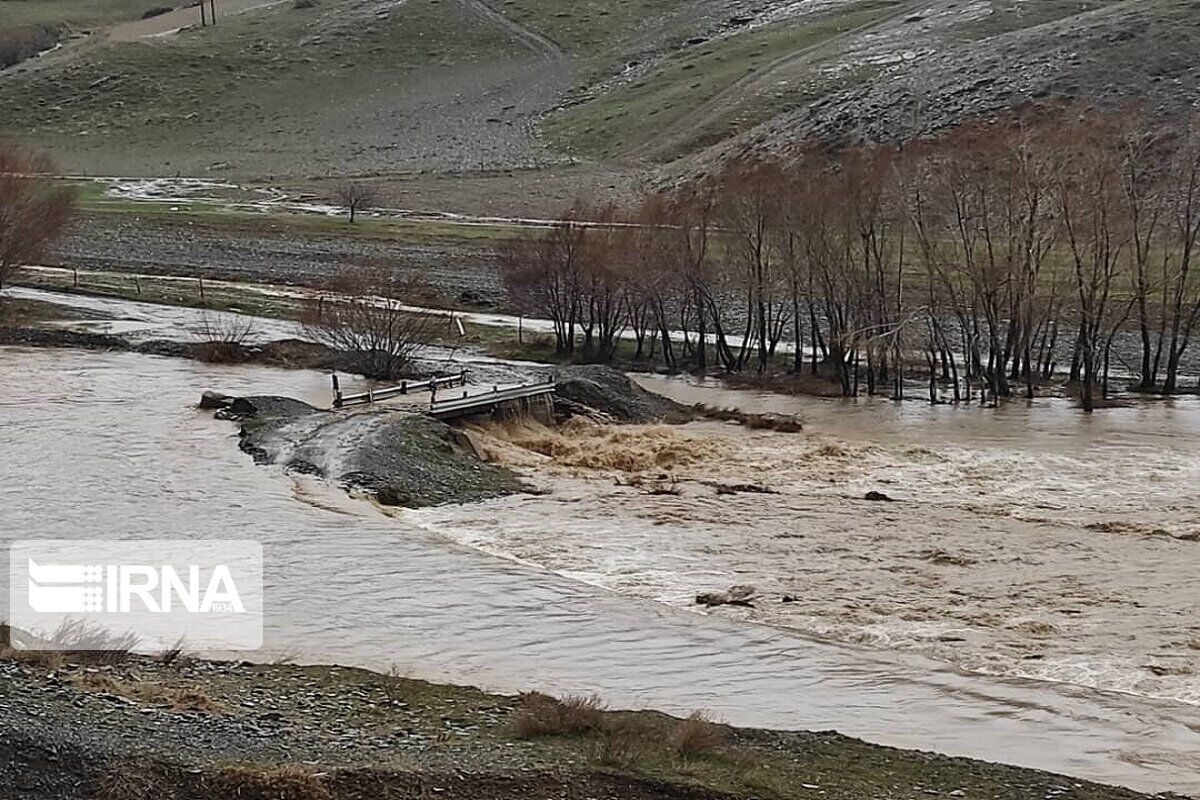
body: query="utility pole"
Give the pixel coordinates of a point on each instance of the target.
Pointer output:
(203, 18)
(212, 7)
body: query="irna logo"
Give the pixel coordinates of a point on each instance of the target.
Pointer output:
(155, 592)
(122, 588)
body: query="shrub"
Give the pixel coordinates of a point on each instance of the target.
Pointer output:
(697, 735)
(540, 715)
(285, 782)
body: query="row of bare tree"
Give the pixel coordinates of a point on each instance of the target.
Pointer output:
(986, 261)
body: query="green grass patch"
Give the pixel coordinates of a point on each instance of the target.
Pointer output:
(591, 30)
(76, 13)
(249, 82)
(637, 113)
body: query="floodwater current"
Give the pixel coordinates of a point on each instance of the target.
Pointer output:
(102, 445)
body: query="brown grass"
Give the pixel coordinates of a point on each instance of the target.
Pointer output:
(539, 715)
(697, 736)
(171, 698)
(126, 783)
(283, 782)
(622, 739)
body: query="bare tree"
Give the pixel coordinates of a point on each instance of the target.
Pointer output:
(546, 275)
(367, 318)
(355, 196)
(1096, 230)
(33, 211)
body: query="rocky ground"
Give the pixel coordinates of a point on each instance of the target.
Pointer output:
(454, 271)
(136, 728)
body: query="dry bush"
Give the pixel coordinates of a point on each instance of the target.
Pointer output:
(222, 338)
(284, 782)
(126, 783)
(697, 736)
(170, 698)
(74, 641)
(394, 685)
(40, 659)
(173, 654)
(368, 321)
(623, 744)
(86, 642)
(539, 715)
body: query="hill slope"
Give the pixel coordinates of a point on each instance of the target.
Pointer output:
(402, 86)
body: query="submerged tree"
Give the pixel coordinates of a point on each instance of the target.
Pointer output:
(995, 255)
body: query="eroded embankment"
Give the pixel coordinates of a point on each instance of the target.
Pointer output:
(397, 457)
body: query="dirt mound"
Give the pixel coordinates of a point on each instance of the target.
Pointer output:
(401, 459)
(613, 395)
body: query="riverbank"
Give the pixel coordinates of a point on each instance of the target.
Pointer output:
(187, 728)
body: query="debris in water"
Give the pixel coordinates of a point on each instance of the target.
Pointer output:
(741, 595)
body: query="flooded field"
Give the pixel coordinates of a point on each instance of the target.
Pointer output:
(109, 445)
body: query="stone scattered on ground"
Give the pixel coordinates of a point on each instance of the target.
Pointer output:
(187, 729)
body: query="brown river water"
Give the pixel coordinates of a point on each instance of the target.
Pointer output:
(1030, 598)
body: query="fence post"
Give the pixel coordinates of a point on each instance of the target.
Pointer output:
(337, 391)
(201, 280)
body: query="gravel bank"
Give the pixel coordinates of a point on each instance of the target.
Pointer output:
(142, 729)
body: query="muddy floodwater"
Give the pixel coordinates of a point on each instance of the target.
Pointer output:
(1028, 541)
(1052, 553)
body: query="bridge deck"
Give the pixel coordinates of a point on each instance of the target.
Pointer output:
(470, 404)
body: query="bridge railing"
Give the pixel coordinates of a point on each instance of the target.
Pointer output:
(404, 388)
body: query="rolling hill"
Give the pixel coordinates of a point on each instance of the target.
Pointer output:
(284, 90)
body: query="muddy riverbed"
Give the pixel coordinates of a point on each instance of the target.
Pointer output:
(102, 444)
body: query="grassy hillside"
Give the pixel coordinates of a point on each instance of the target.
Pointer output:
(464, 86)
(632, 116)
(76, 13)
(347, 86)
(885, 69)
